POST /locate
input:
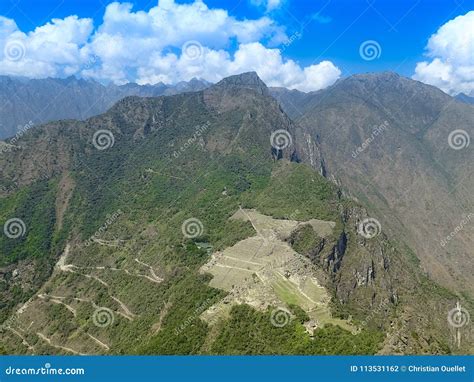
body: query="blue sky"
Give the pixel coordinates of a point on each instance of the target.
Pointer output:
(318, 31)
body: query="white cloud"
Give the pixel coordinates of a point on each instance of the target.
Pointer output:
(213, 65)
(452, 51)
(269, 5)
(53, 49)
(146, 47)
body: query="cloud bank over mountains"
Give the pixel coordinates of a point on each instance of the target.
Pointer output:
(169, 43)
(173, 42)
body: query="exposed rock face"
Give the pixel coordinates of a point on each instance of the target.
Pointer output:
(279, 131)
(334, 260)
(381, 286)
(249, 80)
(385, 140)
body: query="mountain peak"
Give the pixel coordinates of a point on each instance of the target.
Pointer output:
(247, 80)
(385, 74)
(388, 83)
(386, 77)
(463, 97)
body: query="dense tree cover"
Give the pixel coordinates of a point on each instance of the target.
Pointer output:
(35, 207)
(304, 239)
(251, 332)
(34, 241)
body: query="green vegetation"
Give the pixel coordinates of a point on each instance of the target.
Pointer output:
(35, 206)
(156, 192)
(296, 192)
(300, 314)
(251, 332)
(305, 239)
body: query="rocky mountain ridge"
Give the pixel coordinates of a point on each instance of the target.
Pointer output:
(36, 101)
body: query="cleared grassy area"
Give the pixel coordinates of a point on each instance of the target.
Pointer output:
(289, 293)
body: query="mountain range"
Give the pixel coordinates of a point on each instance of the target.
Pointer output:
(240, 219)
(36, 101)
(29, 102)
